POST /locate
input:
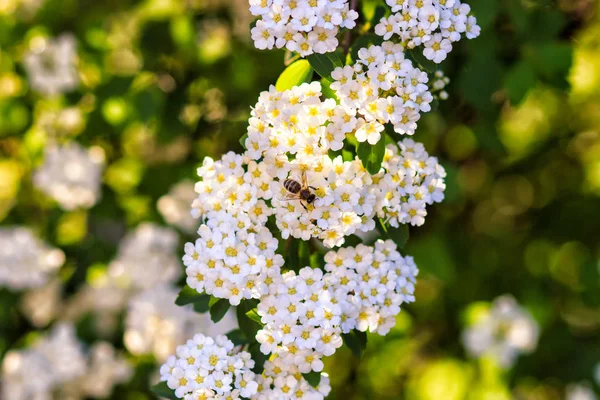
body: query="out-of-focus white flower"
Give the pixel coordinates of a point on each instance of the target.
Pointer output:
(505, 332)
(106, 368)
(147, 257)
(51, 65)
(41, 305)
(71, 175)
(25, 261)
(33, 373)
(175, 206)
(579, 391)
(154, 324)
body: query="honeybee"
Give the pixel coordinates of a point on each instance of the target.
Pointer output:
(300, 190)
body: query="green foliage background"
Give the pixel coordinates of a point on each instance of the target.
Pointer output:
(167, 82)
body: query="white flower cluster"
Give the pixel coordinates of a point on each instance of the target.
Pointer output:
(580, 391)
(290, 136)
(71, 175)
(506, 331)
(384, 87)
(434, 24)
(301, 26)
(281, 380)
(25, 261)
(54, 360)
(156, 325)
(205, 368)
(51, 65)
(175, 206)
(105, 369)
(147, 257)
(305, 314)
(61, 369)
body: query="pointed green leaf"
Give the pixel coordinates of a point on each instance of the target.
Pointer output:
(352, 342)
(296, 74)
(253, 315)
(324, 64)
(219, 309)
(258, 357)
(249, 326)
(237, 337)
(399, 235)
(162, 390)
(371, 155)
(187, 295)
(313, 378)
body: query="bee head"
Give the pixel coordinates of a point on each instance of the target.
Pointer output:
(311, 198)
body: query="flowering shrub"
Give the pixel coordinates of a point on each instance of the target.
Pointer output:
(298, 278)
(316, 169)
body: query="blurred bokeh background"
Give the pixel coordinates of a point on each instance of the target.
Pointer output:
(152, 87)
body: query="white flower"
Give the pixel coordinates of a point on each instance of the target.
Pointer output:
(51, 65)
(25, 261)
(506, 331)
(437, 48)
(71, 175)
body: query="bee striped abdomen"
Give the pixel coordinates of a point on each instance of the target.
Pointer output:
(292, 186)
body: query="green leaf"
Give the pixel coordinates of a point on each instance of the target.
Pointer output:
(518, 80)
(162, 390)
(378, 14)
(296, 74)
(364, 41)
(399, 235)
(313, 378)
(253, 315)
(248, 325)
(326, 90)
(356, 341)
(243, 141)
(237, 337)
(219, 309)
(258, 357)
(324, 64)
(371, 155)
(187, 295)
(352, 342)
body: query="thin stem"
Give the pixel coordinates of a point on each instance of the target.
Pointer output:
(353, 5)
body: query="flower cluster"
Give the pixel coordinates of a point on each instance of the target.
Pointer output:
(155, 325)
(146, 258)
(71, 175)
(51, 65)
(282, 380)
(205, 367)
(301, 26)
(433, 24)
(384, 87)
(60, 365)
(25, 261)
(290, 136)
(54, 360)
(305, 314)
(503, 333)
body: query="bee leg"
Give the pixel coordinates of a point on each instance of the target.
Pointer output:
(312, 187)
(304, 206)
